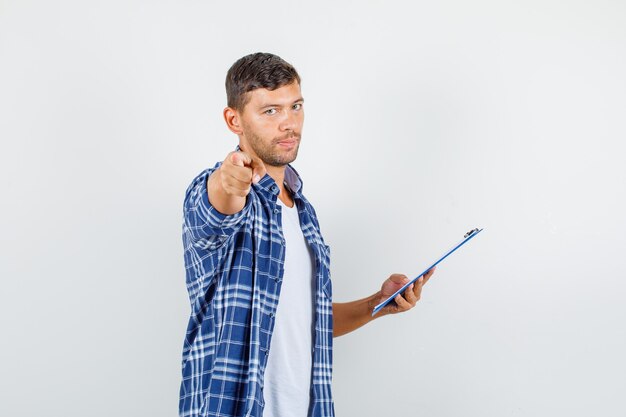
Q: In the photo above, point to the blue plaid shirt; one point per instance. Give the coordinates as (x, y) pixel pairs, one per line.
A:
(234, 266)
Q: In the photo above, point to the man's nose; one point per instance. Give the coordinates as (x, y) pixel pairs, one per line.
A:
(289, 121)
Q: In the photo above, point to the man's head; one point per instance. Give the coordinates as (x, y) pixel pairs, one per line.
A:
(265, 107)
(258, 70)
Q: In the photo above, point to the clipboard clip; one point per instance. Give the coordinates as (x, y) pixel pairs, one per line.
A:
(471, 232)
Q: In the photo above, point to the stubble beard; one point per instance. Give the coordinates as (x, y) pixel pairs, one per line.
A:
(269, 154)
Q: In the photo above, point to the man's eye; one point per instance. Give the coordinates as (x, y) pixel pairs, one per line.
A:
(270, 111)
(297, 106)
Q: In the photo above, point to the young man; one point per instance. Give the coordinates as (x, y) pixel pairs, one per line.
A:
(259, 340)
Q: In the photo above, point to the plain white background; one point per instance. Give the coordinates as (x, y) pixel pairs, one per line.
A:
(423, 120)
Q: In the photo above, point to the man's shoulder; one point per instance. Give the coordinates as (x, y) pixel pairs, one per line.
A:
(202, 177)
(208, 171)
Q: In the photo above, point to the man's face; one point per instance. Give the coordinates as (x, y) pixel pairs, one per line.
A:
(272, 124)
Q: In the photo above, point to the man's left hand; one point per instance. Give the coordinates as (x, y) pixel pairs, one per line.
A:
(405, 301)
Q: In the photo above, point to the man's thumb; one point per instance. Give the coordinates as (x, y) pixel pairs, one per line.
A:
(399, 278)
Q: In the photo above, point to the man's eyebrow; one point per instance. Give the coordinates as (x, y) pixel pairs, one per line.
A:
(263, 106)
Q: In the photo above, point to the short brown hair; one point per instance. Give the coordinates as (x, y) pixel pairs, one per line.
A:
(258, 70)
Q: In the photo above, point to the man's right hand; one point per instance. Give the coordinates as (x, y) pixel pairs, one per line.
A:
(230, 184)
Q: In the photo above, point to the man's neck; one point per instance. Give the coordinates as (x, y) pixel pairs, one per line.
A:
(277, 174)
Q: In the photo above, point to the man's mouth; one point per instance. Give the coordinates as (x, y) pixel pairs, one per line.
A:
(289, 141)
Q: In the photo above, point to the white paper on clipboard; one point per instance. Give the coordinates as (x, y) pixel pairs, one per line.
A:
(468, 236)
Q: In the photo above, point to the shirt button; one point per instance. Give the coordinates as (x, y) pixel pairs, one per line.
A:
(276, 211)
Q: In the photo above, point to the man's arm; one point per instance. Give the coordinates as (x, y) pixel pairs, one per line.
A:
(354, 314)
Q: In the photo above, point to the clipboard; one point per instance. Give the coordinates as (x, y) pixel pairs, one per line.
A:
(466, 238)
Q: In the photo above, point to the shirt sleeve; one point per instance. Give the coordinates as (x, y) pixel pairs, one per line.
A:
(202, 222)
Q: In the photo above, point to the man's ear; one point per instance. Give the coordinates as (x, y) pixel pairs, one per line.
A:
(233, 121)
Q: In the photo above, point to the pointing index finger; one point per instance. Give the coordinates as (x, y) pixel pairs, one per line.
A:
(240, 159)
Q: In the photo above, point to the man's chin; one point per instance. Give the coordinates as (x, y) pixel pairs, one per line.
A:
(281, 160)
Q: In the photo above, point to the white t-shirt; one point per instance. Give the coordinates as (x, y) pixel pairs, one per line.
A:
(288, 372)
